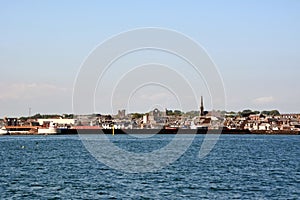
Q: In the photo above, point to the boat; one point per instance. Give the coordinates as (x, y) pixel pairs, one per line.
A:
(21, 130)
(51, 130)
(4, 131)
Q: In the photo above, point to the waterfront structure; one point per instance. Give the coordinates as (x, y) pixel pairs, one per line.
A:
(57, 122)
(284, 122)
(11, 121)
(156, 119)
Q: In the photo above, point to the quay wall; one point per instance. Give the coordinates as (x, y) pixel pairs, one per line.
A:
(162, 131)
(174, 131)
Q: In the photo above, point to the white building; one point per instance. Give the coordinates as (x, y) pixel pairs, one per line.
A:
(264, 126)
(57, 122)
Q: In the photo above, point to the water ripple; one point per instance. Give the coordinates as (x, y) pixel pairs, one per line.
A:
(239, 167)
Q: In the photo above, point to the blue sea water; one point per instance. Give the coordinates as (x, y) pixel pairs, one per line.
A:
(239, 167)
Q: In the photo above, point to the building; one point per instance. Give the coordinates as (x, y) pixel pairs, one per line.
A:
(121, 114)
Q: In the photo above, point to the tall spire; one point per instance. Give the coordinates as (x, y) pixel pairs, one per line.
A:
(201, 107)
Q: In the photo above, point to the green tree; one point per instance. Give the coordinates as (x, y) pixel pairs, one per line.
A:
(177, 112)
(274, 112)
(169, 112)
(271, 112)
(136, 115)
(246, 113)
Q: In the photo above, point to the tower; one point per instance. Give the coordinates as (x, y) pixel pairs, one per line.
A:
(201, 107)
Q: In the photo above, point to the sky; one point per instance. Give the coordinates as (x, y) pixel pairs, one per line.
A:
(254, 44)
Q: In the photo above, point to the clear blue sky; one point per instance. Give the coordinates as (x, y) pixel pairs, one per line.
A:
(255, 44)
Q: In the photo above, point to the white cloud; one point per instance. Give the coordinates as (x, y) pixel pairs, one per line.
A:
(28, 91)
(263, 100)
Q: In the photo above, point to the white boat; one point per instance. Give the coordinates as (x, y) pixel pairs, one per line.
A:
(3, 131)
(52, 129)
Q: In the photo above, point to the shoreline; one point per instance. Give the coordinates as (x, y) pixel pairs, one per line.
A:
(163, 131)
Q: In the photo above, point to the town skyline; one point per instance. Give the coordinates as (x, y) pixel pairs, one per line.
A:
(167, 121)
(197, 112)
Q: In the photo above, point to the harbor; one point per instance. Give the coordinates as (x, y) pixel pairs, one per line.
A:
(158, 122)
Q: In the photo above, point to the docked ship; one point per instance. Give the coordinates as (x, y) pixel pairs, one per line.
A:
(49, 130)
(21, 130)
(14, 127)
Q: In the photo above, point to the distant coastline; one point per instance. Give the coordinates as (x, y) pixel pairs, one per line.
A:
(157, 121)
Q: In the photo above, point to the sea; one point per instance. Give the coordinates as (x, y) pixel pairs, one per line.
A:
(237, 167)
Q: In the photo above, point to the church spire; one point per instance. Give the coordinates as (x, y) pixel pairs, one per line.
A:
(201, 107)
